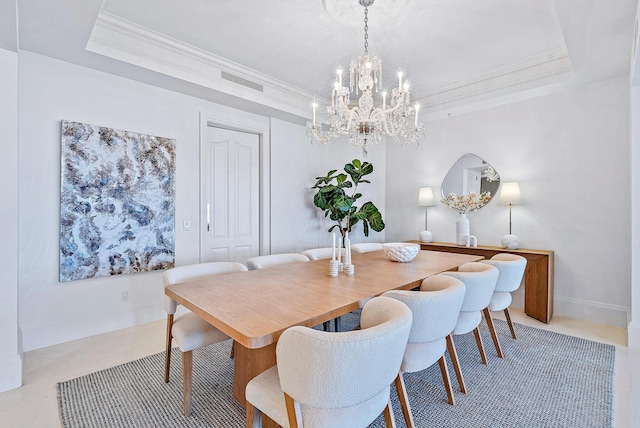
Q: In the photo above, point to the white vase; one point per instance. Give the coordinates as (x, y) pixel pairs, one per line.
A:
(462, 230)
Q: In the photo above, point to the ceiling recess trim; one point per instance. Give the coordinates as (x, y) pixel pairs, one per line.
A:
(538, 70)
(129, 42)
(126, 41)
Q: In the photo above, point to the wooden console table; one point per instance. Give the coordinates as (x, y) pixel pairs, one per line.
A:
(538, 276)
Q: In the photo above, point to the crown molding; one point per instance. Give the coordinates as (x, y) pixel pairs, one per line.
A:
(126, 41)
(538, 70)
(129, 42)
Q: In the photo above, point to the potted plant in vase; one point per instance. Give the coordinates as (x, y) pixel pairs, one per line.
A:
(337, 194)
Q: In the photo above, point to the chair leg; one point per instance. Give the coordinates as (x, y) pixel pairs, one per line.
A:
(445, 379)
(492, 330)
(187, 372)
(389, 419)
(337, 324)
(476, 333)
(233, 349)
(456, 365)
(167, 357)
(404, 401)
(326, 326)
(292, 414)
(508, 317)
(254, 416)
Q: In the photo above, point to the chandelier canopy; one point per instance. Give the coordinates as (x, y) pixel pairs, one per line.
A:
(366, 122)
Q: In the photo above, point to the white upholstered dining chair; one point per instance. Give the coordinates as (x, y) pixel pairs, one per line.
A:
(480, 281)
(511, 268)
(366, 247)
(261, 262)
(319, 253)
(435, 314)
(337, 380)
(189, 330)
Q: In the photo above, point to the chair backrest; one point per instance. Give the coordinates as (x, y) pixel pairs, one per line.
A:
(319, 253)
(262, 262)
(435, 307)
(365, 247)
(326, 373)
(480, 280)
(511, 268)
(185, 273)
(435, 316)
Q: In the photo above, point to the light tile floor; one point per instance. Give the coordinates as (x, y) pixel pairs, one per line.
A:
(34, 405)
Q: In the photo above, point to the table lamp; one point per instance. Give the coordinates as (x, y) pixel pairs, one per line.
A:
(425, 199)
(510, 195)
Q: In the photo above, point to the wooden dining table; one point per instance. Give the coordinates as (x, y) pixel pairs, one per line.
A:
(255, 307)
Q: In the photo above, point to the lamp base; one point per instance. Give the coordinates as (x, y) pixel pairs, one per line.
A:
(510, 242)
(426, 236)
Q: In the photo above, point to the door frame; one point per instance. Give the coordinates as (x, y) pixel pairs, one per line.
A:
(252, 124)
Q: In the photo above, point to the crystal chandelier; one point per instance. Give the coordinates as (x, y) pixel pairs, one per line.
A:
(365, 122)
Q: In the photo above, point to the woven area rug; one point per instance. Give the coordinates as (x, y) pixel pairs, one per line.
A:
(545, 380)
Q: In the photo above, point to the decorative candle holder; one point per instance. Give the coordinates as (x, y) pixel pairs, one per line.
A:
(349, 269)
(333, 268)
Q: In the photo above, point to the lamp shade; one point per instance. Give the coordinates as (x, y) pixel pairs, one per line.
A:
(425, 197)
(510, 193)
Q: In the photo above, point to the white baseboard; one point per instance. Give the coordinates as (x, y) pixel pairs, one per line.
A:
(601, 313)
(633, 335)
(40, 336)
(585, 310)
(10, 372)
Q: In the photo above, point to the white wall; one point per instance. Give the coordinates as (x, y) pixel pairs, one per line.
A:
(296, 223)
(51, 90)
(633, 330)
(570, 152)
(10, 352)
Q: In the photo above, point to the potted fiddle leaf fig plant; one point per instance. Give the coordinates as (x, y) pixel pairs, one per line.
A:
(337, 195)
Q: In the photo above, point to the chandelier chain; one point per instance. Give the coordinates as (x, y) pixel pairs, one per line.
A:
(366, 30)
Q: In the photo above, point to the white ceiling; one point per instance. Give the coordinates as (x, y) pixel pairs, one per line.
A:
(455, 52)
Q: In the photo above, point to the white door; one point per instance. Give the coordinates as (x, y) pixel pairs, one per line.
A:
(471, 181)
(230, 196)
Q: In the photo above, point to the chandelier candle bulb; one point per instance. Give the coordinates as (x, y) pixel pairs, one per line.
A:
(417, 107)
(384, 100)
(313, 106)
(339, 71)
(400, 81)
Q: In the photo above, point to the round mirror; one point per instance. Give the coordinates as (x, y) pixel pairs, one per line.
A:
(471, 174)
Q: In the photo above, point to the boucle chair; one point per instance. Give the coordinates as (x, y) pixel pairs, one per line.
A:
(319, 253)
(189, 330)
(334, 379)
(365, 247)
(261, 262)
(511, 268)
(435, 314)
(480, 281)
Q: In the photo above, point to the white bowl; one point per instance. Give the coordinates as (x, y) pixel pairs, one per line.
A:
(401, 251)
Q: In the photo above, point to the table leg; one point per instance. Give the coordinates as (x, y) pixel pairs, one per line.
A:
(248, 363)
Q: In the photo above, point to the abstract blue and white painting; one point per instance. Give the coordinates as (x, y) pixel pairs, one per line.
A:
(117, 206)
